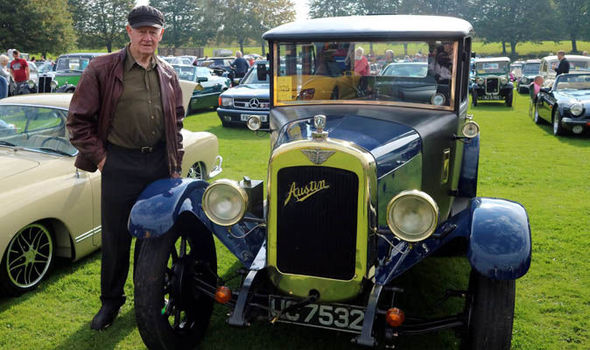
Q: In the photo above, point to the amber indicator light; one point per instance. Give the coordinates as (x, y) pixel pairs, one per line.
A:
(222, 295)
(395, 317)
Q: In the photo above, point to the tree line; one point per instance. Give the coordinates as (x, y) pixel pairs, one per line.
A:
(57, 26)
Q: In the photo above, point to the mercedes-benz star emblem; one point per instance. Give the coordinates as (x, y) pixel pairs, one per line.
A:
(254, 103)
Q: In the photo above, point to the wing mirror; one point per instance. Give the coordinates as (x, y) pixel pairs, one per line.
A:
(261, 71)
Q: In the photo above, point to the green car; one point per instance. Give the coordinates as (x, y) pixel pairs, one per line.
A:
(209, 86)
(66, 73)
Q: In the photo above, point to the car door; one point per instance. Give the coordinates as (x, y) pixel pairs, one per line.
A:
(545, 103)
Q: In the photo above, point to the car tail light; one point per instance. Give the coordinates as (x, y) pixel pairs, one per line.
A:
(222, 295)
(395, 317)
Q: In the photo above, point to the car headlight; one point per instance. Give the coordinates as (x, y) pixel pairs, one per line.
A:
(470, 129)
(53, 84)
(524, 80)
(479, 81)
(504, 80)
(412, 216)
(576, 109)
(254, 123)
(438, 99)
(31, 84)
(227, 101)
(225, 202)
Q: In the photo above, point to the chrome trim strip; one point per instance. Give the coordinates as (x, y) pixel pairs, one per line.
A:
(88, 234)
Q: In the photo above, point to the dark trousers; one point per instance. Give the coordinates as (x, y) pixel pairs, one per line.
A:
(125, 175)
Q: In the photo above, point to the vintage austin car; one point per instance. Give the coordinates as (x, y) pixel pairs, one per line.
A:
(50, 209)
(565, 103)
(66, 73)
(492, 81)
(250, 97)
(359, 190)
(530, 70)
(209, 86)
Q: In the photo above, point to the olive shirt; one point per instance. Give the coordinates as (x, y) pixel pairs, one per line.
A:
(138, 119)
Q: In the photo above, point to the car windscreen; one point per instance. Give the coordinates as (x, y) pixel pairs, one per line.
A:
(416, 72)
(531, 68)
(34, 127)
(72, 63)
(185, 72)
(572, 82)
(203, 72)
(252, 77)
(500, 67)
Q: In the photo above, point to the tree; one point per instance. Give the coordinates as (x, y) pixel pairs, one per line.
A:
(181, 19)
(378, 7)
(332, 8)
(32, 25)
(269, 14)
(101, 22)
(239, 20)
(573, 18)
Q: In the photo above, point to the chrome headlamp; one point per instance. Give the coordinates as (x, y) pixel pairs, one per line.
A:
(479, 81)
(576, 109)
(254, 123)
(504, 80)
(225, 202)
(31, 84)
(227, 101)
(470, 129)
(412, 216)
(524, 80)
(438, 99)
(53, 84)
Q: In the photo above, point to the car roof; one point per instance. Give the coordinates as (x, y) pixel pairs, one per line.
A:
(569, 57)
(492, 59)
(49, 100)
(372, 27)
(534, 60)
(93, 54)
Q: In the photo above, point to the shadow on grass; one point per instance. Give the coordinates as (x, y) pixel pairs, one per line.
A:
(61, 268)
(568, 138)
(86, 338)
(424, 285)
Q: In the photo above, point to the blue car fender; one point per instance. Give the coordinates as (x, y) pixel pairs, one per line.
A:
(500, 239)
(160, 205)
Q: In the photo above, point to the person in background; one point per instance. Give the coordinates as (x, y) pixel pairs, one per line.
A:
(19, 68)
(125, 119)
(534, 90)
(389, 57)
(240, 65)
(4, 76)
(564, 64)
(361, 64)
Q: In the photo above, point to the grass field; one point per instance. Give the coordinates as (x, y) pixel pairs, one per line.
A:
(519, 161)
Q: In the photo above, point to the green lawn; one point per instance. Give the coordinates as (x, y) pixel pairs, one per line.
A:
(519, 161)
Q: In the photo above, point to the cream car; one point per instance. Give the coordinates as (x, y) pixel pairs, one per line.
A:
(51, 209)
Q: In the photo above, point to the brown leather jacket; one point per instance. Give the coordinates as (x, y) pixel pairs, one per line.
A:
(93, 105)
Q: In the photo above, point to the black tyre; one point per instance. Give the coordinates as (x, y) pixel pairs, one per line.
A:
(509, 99)
(536, 118)
(27, 260)
(556, 121)
(474, 99)
(491, 313)
(171, 313)
(197, 171)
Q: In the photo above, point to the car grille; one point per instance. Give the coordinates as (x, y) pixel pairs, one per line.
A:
(492, 85)
(45, 84)
(251, 103)
(316, 228)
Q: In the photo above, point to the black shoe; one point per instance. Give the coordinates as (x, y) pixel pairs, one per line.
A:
(105, 317)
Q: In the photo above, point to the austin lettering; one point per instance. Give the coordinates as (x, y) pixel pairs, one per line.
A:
(302, 193)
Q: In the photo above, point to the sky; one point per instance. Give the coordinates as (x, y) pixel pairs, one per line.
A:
(301, 8)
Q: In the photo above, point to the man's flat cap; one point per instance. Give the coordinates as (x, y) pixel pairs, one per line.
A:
(145, 16)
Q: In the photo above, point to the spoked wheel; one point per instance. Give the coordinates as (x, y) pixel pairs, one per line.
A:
(171, 312)
(197, 171)
(557, 128)
(27, 260)
(491, 313)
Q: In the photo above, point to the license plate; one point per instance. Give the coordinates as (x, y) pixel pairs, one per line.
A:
(245, 117)
(342, 317)
(489, 97)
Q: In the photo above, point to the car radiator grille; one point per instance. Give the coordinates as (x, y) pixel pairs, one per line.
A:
(252, 103)
(316, 230)
(45, 84)
(492, 85)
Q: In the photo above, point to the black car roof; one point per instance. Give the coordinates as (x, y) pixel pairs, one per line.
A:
(82, 54)
(372, 27)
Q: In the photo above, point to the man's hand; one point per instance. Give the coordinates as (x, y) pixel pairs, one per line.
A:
(175, 175)
(101, 164)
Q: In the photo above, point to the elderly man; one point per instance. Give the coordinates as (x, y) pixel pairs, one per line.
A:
(564, 64)
(125, 119)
